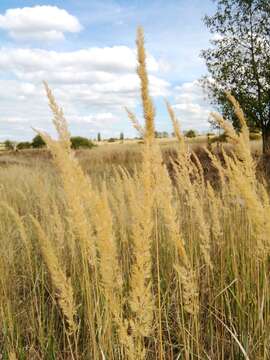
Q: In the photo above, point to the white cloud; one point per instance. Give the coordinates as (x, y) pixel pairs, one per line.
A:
(191, 106)
(93, 86)
(44, 23)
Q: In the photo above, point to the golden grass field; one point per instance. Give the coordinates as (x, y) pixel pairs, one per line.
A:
(132, 251)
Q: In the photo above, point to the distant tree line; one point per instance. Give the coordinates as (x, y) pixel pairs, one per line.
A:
(77, 142)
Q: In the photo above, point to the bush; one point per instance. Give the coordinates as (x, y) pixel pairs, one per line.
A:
(218, 138)
(9, 145)
(190, 134)
(79, 142)
(38, 142)
(110, 140)
(24, 145)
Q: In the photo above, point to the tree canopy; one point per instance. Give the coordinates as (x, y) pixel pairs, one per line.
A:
(239, 61)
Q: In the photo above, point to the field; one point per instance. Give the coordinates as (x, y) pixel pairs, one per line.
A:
(135, 251)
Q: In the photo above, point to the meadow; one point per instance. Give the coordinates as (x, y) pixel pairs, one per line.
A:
(135, 252)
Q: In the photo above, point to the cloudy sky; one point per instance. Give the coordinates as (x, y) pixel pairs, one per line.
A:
(85, 50)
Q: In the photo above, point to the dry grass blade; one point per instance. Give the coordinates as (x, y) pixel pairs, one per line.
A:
(233, 336)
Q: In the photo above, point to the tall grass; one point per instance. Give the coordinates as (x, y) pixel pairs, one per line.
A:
(141, 264)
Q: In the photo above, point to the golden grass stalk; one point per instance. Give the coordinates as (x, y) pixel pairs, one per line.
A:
(239, 141)
(135, 122)
(59, 120)
(148, 107)
(182, 264)
(241, 176)
(184, 169)
(141, 298)
(19, 224)
(176, 128)
(240, 115)
(106, 242)
(61, 283)
(215, 207)
(77, 186)
(111, 277)
(78, 191)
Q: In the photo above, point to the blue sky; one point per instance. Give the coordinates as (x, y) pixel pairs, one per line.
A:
(86, 51)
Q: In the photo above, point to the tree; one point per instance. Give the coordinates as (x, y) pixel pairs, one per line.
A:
(190, 134)
(161, 134)
(9, 145)
(98, 137)
(122, 136)
(78, 142)
(111, 140)
(38, 142)
(239, 61)
(165, 134)
(24, 145)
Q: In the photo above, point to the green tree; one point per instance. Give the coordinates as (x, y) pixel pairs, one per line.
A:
(38, 142)
(24, 145)
(78, 142)
(98, 137)
(190, 134)
(122, 136)
(239, 61)
(165, 134)
(111, 140)
(9, 145)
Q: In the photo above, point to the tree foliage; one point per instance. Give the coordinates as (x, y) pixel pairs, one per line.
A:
(9, 145)
(239, 60)
(38, 142)
(79, 142)
(190, 133)
(24, 145)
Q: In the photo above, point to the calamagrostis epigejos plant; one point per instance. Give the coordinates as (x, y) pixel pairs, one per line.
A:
(165, 263)
(184, 169)
(77, 187)
(61, 283)
(241, 175)
(141, 297)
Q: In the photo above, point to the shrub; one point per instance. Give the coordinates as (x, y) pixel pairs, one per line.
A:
(9, 145)
(110, 140)
(24, 145)
(38, 142)
(219, 138)
(79, 142)
(190, 134)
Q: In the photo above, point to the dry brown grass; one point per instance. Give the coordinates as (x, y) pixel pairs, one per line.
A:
(119, 255)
